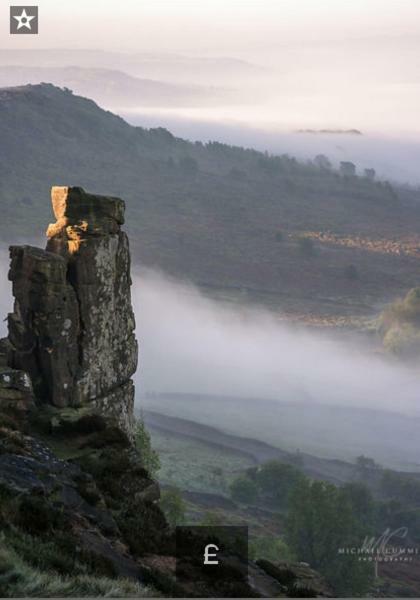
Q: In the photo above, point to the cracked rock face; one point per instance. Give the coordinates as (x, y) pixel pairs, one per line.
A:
(72, 329)
(44, 327)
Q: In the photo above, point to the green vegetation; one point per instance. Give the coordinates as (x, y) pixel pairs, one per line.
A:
(271, 548)
(244, 489)
(320, 522)
(292, 518)
(173, 506)
(276, 480)
(396, 486)
(212, 470)
(188, 165)
(18, 578)
(399, 326)
(366, 467)
(149, 456)
(208, 201)
(270, 484)
(211, 519)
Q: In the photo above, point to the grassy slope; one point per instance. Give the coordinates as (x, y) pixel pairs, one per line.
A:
(216, 224)
(20, 579)
(211, 470)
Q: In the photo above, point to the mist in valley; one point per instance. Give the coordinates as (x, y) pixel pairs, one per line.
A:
(194, 344)
(240, 368)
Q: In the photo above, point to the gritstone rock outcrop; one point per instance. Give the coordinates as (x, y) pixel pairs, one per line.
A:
(72, 329)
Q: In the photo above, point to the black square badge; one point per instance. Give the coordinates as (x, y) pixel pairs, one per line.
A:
(214, 557)
(24, 20)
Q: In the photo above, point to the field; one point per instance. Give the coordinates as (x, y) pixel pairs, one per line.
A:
(196, 466)
(324, 431)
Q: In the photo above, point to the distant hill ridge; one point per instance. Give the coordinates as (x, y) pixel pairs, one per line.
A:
(220, 215)
(115, 87)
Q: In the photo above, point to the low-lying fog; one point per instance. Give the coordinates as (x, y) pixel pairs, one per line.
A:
(192, 344)
(394, 157)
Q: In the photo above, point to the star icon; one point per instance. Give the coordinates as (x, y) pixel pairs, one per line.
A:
(24, 20)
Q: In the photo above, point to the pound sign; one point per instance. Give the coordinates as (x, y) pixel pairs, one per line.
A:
(208, 556)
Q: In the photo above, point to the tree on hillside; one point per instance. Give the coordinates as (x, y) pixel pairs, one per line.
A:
(400, 487)
(361, 502)
(320, 525)
(399, 326)
(322, 162)
(173, 505)
(243, 489)
(276, 480)
(366, 467)
(188, 165)
(347, 168)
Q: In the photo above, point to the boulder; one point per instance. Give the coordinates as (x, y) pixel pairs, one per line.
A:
(16, 394)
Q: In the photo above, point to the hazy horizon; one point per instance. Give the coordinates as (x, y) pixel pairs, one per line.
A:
(322, 65)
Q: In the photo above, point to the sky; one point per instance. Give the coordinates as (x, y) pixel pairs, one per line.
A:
(215, 26)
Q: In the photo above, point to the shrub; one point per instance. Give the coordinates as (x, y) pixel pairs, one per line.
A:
(188, 165)
(244, 490)
(144, 526)
(268, 547)
(320, 522)
(149, 456)
(399, 326)
(404, 311)
(276, 480)
(211, 519)
(173, 505)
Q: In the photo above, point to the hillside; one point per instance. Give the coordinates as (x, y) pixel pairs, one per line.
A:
(114, 87)
(228, 218)
(205, 70)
